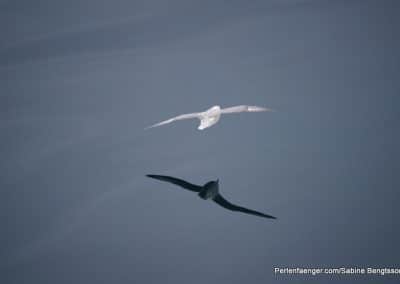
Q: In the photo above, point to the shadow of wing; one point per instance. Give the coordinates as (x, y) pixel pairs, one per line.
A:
(226, 204)
(177, 181)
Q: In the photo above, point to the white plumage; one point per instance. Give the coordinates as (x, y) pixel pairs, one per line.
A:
(212, 115)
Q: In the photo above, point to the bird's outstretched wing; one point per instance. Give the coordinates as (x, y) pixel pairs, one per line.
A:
(226, 204)
(179, 117)
(244, 108)
(177, 181)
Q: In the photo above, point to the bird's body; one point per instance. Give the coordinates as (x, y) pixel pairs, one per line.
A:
(212, 115)
(208, 191)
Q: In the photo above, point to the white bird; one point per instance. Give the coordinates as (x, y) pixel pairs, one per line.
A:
(212, 115)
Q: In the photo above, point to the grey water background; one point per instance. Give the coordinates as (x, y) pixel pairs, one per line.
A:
(79, 81)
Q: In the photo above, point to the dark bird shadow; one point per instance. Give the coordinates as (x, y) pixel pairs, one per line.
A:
(209, 191)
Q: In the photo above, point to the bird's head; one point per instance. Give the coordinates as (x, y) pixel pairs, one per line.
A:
(214, 108)
(212, 184)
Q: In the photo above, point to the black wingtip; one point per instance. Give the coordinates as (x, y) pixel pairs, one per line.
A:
(268, 216)
(153, 176)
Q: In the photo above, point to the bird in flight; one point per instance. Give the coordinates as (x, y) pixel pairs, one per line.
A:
(212, 115)
(210, 190)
